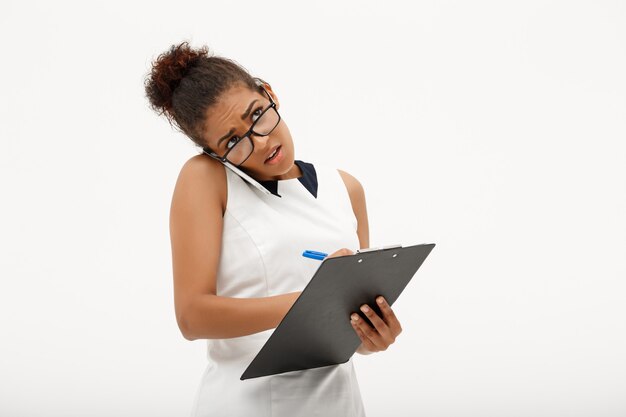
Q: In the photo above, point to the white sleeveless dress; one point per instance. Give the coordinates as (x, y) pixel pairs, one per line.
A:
(263, 240)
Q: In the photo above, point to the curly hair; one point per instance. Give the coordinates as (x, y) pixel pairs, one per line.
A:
(184, 82)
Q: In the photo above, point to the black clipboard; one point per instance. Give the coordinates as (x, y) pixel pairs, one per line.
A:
(316, 331)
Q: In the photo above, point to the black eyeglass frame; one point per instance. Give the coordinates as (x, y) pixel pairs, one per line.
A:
(248, 133)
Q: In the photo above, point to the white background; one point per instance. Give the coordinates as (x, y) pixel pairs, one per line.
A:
(494, 129)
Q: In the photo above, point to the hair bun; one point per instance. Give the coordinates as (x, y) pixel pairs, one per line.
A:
(167, 72)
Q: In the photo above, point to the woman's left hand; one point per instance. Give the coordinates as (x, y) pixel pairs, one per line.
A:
(384, 332)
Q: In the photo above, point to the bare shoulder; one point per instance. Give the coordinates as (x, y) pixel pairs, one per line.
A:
(196, 223)
(203, 165)
(354, 187)
(359, 207)
(201, 180)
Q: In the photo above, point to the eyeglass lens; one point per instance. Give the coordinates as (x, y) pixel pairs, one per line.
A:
(241, 151)
(265, 124)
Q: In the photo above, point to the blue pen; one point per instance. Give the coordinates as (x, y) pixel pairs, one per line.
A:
(314, 255)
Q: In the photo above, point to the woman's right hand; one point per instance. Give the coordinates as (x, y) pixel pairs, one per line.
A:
(341, 252)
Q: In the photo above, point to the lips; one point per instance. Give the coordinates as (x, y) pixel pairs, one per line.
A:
(272, 153)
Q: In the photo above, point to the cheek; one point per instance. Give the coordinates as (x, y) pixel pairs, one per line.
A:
(284, 134)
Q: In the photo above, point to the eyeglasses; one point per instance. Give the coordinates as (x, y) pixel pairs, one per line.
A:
(240, 148)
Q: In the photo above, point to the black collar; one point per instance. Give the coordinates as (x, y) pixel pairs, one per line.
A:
(308, 179)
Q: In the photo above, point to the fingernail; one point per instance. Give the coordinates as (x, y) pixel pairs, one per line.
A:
(380, 300)
(355, 317)
(365, 309)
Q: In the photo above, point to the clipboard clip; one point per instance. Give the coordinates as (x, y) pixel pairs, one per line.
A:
(378, 248)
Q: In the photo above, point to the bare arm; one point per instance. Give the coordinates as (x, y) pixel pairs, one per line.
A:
(387, 327)
(196, 220)
(357, 199)
(214, 317)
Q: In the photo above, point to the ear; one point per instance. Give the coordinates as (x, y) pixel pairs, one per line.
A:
(269, 90)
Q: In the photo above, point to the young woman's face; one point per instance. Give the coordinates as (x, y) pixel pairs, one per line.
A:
(232, 115)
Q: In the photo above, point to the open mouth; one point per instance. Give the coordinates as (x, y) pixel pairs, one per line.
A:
(274, 154)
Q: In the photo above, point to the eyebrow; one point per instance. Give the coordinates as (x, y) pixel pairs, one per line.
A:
(244, 116)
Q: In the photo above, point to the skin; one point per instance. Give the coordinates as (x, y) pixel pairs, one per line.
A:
(196, 222)
(226, 115)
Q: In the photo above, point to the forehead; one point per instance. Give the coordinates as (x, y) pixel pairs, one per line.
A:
(226, 113)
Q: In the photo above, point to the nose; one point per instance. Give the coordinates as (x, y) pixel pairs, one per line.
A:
(260, 142)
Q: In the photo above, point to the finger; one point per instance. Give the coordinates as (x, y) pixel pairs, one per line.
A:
(378, 323)
(370, 332)
(365, 340)
(388, 315)
(341, 252)
(367, 343)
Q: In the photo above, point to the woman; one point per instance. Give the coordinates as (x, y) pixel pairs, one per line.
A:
(242, 213)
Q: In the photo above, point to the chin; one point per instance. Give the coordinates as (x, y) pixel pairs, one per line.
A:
(288, 163)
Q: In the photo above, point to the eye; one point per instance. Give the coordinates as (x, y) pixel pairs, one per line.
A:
(231, 142)
(255, 114)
